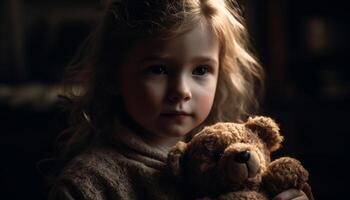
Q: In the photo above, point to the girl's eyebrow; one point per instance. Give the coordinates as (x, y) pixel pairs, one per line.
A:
(154, 57)
(205, 59)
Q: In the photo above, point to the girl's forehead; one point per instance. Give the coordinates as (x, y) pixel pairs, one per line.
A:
(199, 41)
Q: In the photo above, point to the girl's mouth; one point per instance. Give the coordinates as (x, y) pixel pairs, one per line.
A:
(176, 115)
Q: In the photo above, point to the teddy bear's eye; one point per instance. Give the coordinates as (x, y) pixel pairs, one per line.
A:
(217, 156)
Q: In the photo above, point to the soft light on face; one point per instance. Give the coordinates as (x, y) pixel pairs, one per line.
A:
(168, 87)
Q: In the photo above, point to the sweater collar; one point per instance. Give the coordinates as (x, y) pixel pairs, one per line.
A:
(133, 146)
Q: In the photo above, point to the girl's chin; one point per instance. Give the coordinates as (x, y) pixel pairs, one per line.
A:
(175, 131)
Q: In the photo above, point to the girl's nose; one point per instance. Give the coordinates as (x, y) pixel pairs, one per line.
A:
(179, 90)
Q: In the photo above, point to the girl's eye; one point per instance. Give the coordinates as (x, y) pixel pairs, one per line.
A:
(156, 69)
(201, 70)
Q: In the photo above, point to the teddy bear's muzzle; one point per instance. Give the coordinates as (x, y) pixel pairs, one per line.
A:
(241, 163)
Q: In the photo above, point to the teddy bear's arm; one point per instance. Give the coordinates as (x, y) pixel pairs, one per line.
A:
(284, 173)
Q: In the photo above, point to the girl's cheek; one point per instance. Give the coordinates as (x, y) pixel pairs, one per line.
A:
(205, 98)
(205, 106)
(153, 91)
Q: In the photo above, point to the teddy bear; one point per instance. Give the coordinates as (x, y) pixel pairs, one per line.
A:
(229, 160)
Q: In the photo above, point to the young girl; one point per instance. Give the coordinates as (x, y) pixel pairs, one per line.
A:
(153, 73)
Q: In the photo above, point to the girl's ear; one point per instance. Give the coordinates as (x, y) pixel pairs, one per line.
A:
(175, 158)
(267, 130)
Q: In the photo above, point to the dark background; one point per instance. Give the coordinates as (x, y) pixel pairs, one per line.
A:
(303, 46)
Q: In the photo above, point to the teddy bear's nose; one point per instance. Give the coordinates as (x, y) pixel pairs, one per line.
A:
(242, 157)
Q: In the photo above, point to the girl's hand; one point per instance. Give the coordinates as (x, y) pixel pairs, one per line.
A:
(294, 194)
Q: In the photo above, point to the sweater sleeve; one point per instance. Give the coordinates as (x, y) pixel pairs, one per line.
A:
(104, 174)
(78, 188)
(65, 192)
(90, 186)
(92, 177)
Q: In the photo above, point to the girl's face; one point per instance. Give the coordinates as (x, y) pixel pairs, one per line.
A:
(168, 86)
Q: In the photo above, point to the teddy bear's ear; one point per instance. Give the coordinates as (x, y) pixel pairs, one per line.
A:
(175, 158)
(267, 129)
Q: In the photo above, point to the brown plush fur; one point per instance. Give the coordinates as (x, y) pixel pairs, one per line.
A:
(232, 161)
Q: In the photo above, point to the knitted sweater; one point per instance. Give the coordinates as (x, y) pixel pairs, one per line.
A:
(127, 169)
